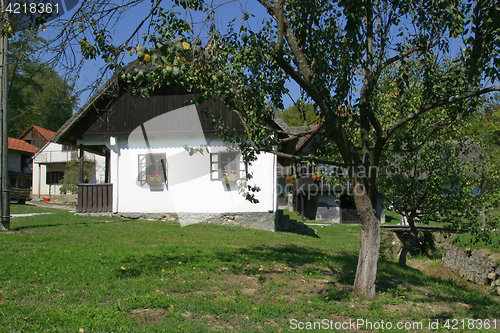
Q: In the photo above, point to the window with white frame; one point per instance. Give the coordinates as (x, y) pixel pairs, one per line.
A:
(227, 166)
(153, 168)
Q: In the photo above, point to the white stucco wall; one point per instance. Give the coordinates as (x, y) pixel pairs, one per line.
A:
(189, 188)
(52, 158)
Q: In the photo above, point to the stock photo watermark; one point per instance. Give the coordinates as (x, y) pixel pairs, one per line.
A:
(370, 325)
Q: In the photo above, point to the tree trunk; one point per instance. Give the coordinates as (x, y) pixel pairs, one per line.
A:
(411, 241)
(407, 247)
(366, 274)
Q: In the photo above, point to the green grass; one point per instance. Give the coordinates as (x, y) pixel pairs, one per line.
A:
(391, 217)
(492, 242)
(65, 273)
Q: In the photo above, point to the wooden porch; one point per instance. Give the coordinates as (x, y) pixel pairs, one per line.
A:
(95, 198)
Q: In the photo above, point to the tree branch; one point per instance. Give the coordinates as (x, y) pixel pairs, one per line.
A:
(302, 64)
(446, 101)
(404, 54)
(302, 157)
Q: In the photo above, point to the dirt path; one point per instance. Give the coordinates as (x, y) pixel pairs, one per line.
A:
(69, 207)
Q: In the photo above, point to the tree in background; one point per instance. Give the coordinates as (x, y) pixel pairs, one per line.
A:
(436, 181)
(431, 173)
(336, 52)
(69, 183)
(300, 114)
(37, 93)
(485, 128)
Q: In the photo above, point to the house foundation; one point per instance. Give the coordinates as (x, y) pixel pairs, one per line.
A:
(253, 220)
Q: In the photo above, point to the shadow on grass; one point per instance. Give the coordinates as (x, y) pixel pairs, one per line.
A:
(391, 219)
(435, 289)
(339, 268)
(308, 231)
(248, 261)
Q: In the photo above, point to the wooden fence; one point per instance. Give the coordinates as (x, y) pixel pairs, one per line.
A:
(95, 198)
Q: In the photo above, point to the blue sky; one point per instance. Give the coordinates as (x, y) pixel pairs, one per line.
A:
(92, 69)
(233, 8)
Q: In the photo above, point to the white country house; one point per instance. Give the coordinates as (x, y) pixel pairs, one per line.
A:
(164, 158)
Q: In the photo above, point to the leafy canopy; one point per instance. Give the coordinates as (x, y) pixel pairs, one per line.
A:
(37, 93)
(301, 114)
(337, 53)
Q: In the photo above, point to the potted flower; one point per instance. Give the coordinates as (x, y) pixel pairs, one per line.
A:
(230, 178)
(154, 179)
(318, 176)
(291, 179)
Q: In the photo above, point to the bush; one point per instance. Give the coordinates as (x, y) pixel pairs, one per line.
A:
(71, 176)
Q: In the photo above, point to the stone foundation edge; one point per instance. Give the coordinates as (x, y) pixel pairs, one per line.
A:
(253, 220)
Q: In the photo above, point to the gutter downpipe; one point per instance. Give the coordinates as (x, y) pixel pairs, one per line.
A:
(39, 179)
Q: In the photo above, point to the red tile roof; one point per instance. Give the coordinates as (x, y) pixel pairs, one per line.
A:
(16, 144)
(302, 142)
(47, 134)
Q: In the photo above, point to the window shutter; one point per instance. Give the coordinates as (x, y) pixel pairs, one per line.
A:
(142, 168)
(243, 168)
(215, 170)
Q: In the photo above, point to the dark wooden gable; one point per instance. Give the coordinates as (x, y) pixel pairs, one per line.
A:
(34, 138)
(120, 113)
(37, 136)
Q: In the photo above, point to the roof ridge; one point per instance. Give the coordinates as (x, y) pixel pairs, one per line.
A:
(46, 133)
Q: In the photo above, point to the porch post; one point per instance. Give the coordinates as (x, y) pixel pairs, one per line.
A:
(81, 162)
(106, 167)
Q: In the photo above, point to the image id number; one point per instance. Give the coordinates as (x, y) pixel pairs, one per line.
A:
(470, 324)
(32, 8)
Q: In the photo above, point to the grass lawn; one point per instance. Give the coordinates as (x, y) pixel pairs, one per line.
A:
(66, 273)
(391, 217)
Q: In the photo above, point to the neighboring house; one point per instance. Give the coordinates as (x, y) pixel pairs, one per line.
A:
(164, 159)
(20, 167)
(317, 199)
(49, 162)
(286, 167)
(37, 136)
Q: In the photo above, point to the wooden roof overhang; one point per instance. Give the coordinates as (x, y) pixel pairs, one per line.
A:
(114, 111)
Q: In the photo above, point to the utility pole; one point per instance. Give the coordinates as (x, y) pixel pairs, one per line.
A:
(4, 132)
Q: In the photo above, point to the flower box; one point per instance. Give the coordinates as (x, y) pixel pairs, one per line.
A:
(230, 178)
(153, 183)
(230, 182)
(154, 179)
